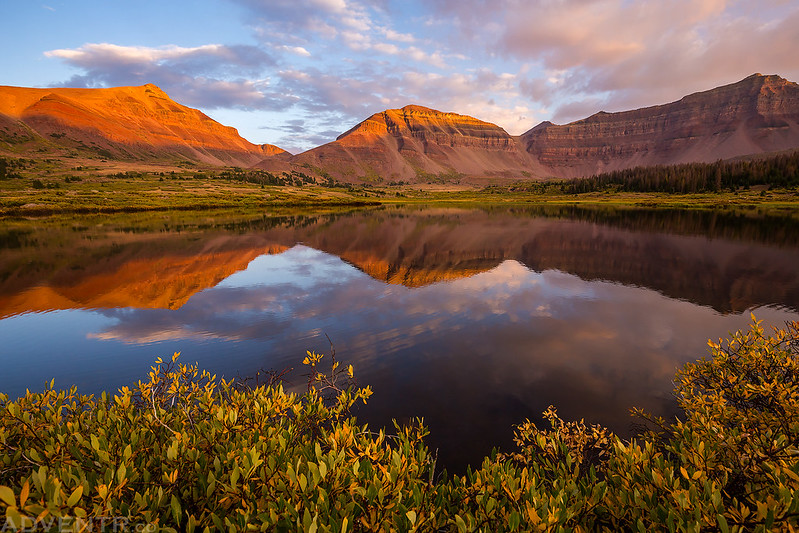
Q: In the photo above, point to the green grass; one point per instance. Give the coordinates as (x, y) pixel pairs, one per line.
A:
(97, 194)
(48, 187)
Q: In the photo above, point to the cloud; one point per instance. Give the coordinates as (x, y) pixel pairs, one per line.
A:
(209, 76)
(624, 54)
(331, 63)
(298, 50)
(393, 35)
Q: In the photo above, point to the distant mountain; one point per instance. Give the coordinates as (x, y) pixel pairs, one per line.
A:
(756, 115)
(139, 123)
(419, 144)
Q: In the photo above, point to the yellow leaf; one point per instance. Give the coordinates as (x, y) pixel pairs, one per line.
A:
(7, 495)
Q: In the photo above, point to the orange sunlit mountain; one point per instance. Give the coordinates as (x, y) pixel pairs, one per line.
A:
(415, 143)
(759, 114)
(139, 123)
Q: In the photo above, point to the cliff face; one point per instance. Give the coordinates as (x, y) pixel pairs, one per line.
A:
(758, 114)
(418, 143)
(125, 122)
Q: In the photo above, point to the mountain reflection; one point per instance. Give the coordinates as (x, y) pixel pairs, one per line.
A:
(731, 273)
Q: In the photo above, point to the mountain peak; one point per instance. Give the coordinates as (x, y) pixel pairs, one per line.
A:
(415, 108)
(419, 119)
(155, 90)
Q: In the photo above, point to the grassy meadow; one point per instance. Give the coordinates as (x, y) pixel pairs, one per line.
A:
(47, 187)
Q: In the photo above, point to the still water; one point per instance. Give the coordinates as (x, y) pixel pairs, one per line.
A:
(472, 319)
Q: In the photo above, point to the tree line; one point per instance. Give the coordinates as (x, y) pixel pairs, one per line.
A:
(777, 171)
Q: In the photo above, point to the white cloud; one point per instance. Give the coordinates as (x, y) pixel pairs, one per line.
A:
(387, 48)
(92, 52)
(298, 50)
(335, 6)
(393, 35)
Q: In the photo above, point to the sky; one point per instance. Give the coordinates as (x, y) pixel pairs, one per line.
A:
(298, 73)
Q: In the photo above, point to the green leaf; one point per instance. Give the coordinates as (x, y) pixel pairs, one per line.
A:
(75, 496)
(411, 515)
(723, 526)
(121, 472)
(175, 504)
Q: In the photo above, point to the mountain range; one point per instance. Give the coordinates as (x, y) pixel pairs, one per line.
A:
(759, 114)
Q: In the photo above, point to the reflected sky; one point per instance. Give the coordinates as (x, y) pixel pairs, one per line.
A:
(472, 355)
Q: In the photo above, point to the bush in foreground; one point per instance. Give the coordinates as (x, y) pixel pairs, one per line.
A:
(184, 450)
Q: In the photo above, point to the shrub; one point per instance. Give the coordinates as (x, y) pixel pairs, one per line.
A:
(184, 450)
(188, 451)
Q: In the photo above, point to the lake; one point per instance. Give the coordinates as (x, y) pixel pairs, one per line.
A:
(474, 319)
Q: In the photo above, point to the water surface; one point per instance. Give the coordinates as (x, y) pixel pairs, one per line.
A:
(472, 319)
